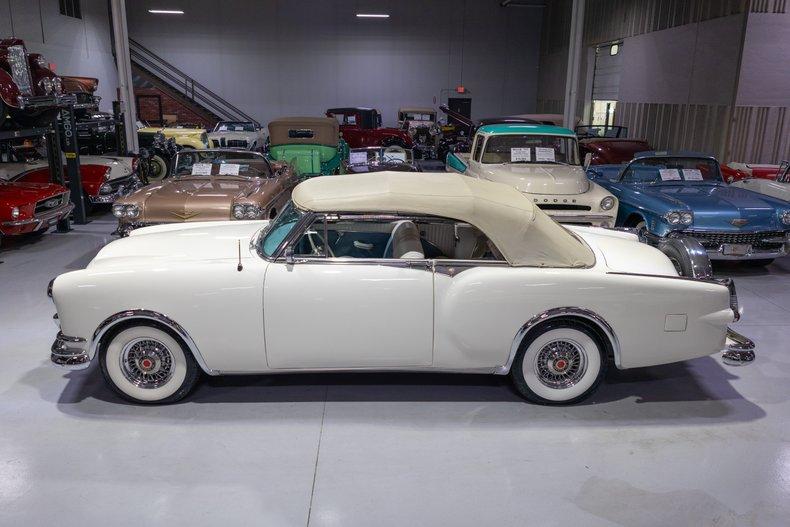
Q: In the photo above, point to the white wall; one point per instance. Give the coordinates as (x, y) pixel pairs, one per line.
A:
(299, 57)
(76, 47)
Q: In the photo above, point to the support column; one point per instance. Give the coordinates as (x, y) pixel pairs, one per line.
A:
(574, 62)
(124, 65)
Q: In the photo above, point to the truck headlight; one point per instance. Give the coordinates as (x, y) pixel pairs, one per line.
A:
(608, 203)
(679, 217)
(786, 217)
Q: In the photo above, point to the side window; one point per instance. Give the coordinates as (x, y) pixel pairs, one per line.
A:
(478, 151)
(399, 238)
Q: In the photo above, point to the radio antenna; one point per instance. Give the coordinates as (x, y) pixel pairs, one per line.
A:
(239, 267)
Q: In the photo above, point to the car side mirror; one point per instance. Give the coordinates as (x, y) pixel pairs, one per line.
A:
(289, 255)
(455, 163)
(587, 160)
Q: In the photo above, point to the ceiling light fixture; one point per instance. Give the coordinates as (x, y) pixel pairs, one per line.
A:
(166, 11)
(372, 15)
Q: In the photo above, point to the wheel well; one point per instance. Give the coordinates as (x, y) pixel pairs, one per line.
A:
(110, 334)
(633, 220)
(600, 334)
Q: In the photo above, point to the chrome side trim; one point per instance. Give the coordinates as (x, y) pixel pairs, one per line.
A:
(148, 315)
(739, 350)
(555, 313)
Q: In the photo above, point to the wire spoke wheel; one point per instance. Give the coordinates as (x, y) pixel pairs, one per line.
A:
(147, 363)
(561, 363)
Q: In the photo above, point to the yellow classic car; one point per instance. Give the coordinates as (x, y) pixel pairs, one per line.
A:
(184, 136)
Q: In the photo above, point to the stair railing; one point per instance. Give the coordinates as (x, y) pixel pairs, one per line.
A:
(184, 84)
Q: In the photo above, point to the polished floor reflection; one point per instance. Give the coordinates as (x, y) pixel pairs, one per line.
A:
(696, 443)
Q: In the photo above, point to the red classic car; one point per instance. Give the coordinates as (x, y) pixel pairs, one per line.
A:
(738, 171)
(29, 91)
(608, 144)
(31, 207)
(361, 127)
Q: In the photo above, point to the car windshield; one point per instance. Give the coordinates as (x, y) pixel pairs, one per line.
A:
(672, 170)
(531, 149)
(229, 126)
(279, 229)
(221, 163)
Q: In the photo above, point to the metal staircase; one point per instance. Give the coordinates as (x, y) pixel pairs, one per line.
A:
(183, 85)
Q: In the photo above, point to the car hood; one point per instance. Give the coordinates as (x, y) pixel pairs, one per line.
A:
(162, 244)
(717, 205)
(622, 252)
(195, 198)
(18, 194)
(539, 179)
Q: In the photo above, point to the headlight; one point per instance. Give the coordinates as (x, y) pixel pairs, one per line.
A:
(105, 189)
(251, 212)
(677, 217)
(46, 85)
(15, 213)
(238, 212)
(786, 217)
(125, 211)
(57, 85)
(42, 62)
(608, 203)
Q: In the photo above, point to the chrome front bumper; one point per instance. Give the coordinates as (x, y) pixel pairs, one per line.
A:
(69, 352)
(739, 350)
(717, 254)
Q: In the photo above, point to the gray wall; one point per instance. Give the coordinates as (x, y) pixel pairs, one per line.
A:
(298, 57)
(76, 47)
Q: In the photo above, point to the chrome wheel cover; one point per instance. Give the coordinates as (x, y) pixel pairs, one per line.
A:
(561, 363)
(147, 363)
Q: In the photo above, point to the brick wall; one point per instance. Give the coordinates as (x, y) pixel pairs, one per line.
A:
(148, 108)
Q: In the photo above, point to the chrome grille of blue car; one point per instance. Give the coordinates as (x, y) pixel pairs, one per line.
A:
(758, 240)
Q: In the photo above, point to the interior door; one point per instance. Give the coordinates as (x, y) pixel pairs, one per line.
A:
(341, 313)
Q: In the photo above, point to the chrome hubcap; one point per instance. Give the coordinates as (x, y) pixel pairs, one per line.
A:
(561, 363)
(147, 363)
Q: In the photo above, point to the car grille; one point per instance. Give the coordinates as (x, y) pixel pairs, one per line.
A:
(561, 206)
(215, 143)
(758, 240)
(48, 204)
(237, 143)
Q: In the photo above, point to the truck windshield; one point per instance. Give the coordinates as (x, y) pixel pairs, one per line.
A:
(531, 149)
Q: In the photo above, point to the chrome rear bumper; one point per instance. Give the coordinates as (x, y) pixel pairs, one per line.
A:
(739, 349)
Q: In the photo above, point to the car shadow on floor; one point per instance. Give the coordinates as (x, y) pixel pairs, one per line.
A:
(698, 389)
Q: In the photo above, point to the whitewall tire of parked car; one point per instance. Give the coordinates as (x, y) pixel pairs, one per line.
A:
(559, 363)
(145, 364)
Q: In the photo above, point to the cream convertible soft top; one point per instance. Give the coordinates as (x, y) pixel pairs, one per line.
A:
(522, 232)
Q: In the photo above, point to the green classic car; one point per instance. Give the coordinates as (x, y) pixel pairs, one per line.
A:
(312, 145)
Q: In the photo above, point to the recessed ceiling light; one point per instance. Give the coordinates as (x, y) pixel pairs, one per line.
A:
(372, 15)
(166, 11)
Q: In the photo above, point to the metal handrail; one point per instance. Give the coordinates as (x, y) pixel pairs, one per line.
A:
(183, 83)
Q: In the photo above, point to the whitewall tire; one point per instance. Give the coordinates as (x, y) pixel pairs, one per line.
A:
(145, 364)
(559, 363)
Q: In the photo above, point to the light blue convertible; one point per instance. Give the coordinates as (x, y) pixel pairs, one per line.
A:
(682, 195)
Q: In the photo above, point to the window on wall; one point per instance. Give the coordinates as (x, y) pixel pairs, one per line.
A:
(71, 8)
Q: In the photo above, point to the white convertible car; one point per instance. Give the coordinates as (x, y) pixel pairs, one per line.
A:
(387, 271)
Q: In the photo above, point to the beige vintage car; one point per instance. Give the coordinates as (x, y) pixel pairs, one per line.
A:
(210, 185)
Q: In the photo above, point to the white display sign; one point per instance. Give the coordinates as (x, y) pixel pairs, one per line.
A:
(692, 174)
(201, 169)
(358, 158)
(229, 169)
(669, 174)
(520, 154)
(238, 128)
(544, 154)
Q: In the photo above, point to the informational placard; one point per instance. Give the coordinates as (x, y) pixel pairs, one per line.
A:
(692, 174)
(520, 154)
(544, 154)
(358, 158)
(229, 169)
(669, 174)
(238, 128)
(201, 169)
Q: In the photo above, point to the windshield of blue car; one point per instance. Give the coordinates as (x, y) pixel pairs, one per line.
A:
(221, 163)
(672, 170)
(531, 149)
(279, 229)
(229, 126)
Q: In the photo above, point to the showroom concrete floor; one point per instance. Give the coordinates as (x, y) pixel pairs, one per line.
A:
(686, 444)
